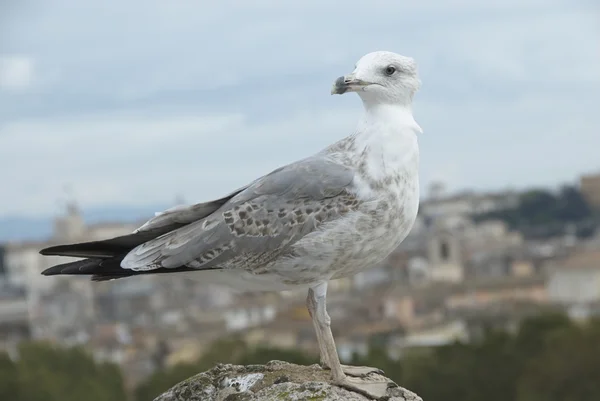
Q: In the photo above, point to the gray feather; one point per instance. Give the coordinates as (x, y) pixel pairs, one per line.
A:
(258, 224)
(186, 214)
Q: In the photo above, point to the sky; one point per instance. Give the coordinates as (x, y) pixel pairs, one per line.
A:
(139, 102)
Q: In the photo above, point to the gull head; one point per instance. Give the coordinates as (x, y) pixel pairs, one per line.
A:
(381, 78)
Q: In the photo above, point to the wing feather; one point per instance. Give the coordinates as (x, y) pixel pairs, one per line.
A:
(258, 224)
(185, 214)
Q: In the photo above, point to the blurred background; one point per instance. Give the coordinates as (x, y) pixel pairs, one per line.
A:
(111, 111)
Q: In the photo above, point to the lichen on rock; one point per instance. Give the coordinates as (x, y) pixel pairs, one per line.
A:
(275, 381)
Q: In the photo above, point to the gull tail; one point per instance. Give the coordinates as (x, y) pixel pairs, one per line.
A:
(104, 249)
(100, 269)
(102, 258)
(104, 269)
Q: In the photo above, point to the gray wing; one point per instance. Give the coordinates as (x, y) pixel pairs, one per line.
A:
(258, 224)
(185, 214)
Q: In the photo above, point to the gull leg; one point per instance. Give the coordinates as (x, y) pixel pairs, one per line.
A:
(311, 305)
(357, 371)
(372, 389)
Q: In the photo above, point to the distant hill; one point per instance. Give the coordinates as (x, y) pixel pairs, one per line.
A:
(541, 213)
(18, 228)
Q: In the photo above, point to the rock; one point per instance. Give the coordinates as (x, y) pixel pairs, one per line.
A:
(275, 381)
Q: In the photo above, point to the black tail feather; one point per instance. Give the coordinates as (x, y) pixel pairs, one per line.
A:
(104, 276)
(105, 269)
(105, 249)
(103, 258)
(87, 266)
(77, 267)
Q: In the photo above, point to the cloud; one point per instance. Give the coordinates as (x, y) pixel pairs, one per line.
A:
(140, 158)
(16, 72)
(134, 102)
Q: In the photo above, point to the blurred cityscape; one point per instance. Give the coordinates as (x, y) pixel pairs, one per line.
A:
(472, 261)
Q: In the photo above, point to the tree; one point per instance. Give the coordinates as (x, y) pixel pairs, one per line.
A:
(508, 367)
(377, 356)
(531, 337)
(537, 206)
(568, 369)
(469, 372)
(48, 373)
(541, 213)
(571, 205)
(9, 379)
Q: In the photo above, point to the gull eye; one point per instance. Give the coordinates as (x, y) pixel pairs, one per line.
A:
(390, 70)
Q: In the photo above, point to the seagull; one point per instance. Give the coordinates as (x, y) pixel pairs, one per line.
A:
(327, 216)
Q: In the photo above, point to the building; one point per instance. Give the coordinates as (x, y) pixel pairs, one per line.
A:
(576, 279)
(483, 294)
(56, 307)
(590, 188)
(466, 204)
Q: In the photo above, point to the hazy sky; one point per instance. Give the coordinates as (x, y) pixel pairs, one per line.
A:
(135, 102)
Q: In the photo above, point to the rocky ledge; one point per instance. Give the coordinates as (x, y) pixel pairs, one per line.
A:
(275, 381)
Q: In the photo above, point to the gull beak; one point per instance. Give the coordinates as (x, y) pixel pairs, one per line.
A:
(348, 83)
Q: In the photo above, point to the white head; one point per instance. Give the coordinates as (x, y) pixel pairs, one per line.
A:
(381, 78)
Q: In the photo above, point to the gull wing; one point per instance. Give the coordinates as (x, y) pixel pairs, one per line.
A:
(258, 224)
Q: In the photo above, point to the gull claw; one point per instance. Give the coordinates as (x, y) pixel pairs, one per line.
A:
(373, 389)
(360, 371)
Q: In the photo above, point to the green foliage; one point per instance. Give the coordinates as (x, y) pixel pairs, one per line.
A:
(549, 359)
(470, 372)
(377, 357)
(47, 373)
(567, 369)
(541, 213)
(9, 379)
(533, 333)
